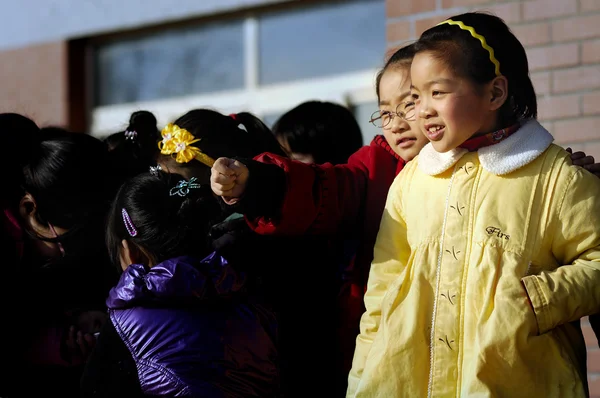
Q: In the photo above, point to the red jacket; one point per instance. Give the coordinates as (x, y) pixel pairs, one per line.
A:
(346, 200)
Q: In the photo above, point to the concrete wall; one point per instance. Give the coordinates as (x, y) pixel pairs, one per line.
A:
(35, 21)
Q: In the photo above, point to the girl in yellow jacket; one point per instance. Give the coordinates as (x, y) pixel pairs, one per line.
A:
(489, 248)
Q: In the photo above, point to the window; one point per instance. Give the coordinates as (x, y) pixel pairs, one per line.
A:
(265, 64)
(321, 41)
(171, 64)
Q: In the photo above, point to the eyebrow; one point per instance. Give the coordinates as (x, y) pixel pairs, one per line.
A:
(403, 95)
(432, 82)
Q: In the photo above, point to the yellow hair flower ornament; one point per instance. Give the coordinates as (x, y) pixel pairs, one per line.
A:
(177, 141)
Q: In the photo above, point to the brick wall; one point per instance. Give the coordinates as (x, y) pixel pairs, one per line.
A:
(34, 83)
(562, 38)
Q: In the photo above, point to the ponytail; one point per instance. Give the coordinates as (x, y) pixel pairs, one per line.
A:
(260, 134)
(134, 150)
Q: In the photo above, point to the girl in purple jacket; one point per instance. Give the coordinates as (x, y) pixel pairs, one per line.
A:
(182, 321)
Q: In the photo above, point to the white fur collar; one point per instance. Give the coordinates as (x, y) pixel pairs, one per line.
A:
(518, 150)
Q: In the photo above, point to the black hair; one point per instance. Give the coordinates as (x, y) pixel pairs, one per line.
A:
(135, 149)
(239, 135)
(222, 136)
(467, 58)
(168, 225)
(21, 134)
(327, 131)
(401, 58)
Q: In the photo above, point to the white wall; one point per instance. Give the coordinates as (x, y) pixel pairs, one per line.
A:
(27, 22)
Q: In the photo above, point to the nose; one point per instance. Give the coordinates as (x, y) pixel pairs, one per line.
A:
(424, 110)
(398, 125)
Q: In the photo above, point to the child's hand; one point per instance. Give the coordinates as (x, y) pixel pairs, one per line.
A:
(228, 179)
(587, 162)
(77, 346)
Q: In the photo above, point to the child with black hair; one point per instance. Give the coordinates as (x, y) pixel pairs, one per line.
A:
(483, 295)
(283, 264)
(134, 150)
(182, 321)
(343, 200)
(191, 143)
(319, 132)
(52, 223)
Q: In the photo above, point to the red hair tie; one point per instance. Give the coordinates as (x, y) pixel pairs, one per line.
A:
(233, 116)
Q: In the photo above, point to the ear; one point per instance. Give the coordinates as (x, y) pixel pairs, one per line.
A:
(126, 255)
(28, 213)
(498, 92)
(131, 254)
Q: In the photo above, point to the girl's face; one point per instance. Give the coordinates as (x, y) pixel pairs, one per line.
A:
(301, 157)
(449, 108)
(403, 136)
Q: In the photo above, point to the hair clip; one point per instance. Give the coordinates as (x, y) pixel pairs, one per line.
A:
(155, 170)
(130, 135)
(183, 187)
(128, 223)
(177, 142)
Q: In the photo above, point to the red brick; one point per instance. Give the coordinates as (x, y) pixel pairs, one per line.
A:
(541, 82)
(463, 3)
(589, 5)
(543, 9)
(548, 126)
(532, 34)
(594, 383)
(590, 52)
(397, 31)
(590, 338)
(580, 78)
(423, 24)
(591, 103)
(557, 107)
(398, 8)
(548, 57)
(34, 82)
(577, 130)
(509, 12)
(583, 27)
(593, 361)
(593, 149)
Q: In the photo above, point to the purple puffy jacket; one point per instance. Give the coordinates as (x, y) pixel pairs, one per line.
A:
(192, 331)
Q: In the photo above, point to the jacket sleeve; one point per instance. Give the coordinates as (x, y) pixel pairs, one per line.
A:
(391, 255)
(571, 291)
(318, 199)
(110, 370)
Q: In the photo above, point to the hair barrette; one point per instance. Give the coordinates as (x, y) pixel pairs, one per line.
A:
(155, 170)
(128, 223)
(178, 143)
(183, 187)
(130, 135)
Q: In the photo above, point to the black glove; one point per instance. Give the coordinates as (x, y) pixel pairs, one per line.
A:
(230, 238)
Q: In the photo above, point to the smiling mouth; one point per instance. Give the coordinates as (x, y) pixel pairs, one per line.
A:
(434, 132)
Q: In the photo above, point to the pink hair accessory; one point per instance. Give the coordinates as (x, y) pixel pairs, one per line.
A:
(128, 223)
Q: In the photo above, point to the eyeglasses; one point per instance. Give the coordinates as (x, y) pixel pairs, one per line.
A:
(60, 246)
(404, 110)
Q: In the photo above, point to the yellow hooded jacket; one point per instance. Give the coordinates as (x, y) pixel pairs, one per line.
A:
(465, 239)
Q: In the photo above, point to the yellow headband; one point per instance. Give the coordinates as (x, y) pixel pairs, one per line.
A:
(179, 141)
(479, 37)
